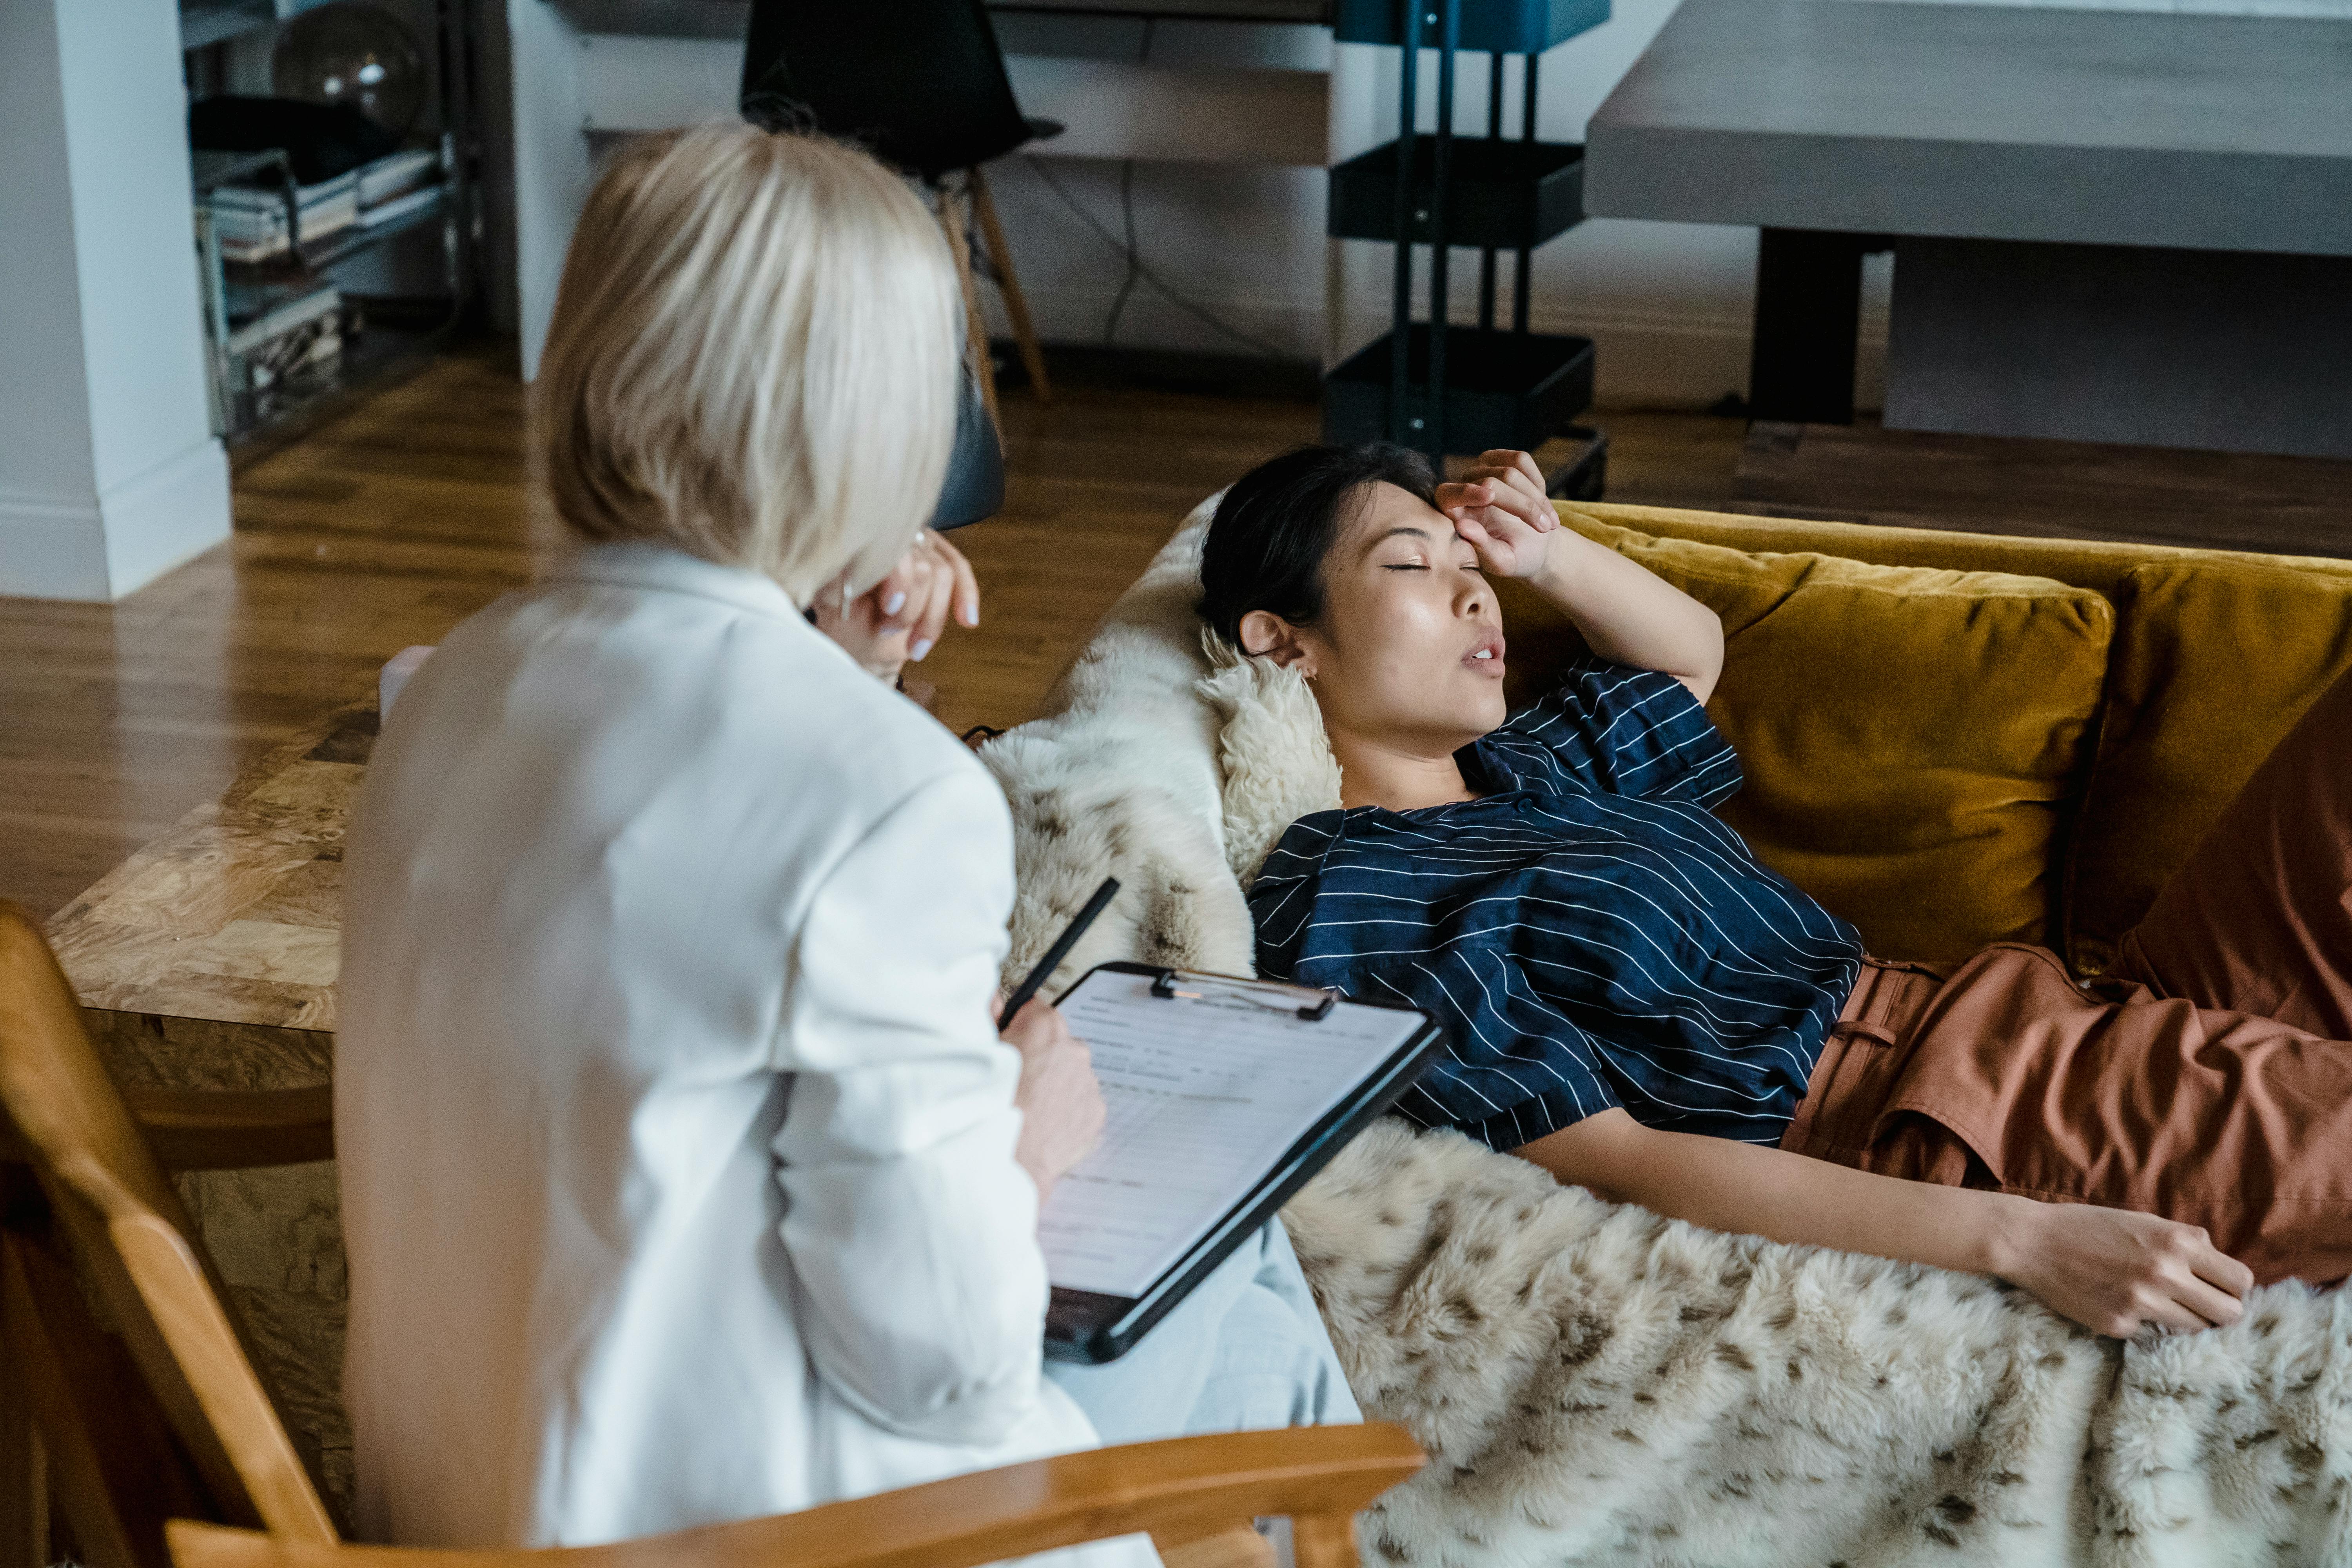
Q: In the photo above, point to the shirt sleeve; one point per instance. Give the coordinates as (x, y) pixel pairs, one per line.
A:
(919, 1287)
(1514, 1068)
(1612, 729)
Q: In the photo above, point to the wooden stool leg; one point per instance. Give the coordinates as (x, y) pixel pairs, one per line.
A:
(1016, 304)
(975, 325)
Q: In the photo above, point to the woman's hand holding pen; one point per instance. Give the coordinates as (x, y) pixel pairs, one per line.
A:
(1060, 1103)
(901, 618)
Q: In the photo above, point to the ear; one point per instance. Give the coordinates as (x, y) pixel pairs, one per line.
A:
(1266, 635)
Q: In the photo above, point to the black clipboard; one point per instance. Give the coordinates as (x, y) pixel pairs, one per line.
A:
(1090, 1326)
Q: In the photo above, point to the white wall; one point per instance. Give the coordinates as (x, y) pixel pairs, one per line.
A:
(109, 471)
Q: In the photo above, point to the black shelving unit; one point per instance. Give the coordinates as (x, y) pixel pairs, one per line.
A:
(254, 307)
(1429, 383)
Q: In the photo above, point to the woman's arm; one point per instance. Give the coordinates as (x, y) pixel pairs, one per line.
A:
(2113, 1270)
(1625, 612)
(911, 1225)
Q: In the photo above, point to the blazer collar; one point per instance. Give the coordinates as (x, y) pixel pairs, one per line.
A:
(636, 565)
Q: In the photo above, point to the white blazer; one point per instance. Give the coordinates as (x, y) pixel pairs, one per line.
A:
(676, 1141)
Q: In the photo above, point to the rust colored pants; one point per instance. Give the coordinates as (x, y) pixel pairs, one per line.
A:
(2208, 1082)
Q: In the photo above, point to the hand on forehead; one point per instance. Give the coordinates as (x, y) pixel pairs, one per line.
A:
(1499, 506)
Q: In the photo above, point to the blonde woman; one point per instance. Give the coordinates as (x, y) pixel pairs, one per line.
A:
(685, 1175)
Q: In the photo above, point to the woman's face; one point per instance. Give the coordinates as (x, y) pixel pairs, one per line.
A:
(1409, 648)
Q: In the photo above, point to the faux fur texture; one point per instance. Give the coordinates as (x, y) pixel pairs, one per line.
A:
(1119, 779)
(1274, 761)
(1596, 1385)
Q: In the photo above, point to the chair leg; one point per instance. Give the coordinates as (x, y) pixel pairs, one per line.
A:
(23, 1475)
(1323, 1540)
(975, 325)
(1016, 304)
(1239, 1546)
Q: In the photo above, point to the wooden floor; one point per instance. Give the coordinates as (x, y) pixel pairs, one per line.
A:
(2049, 489)
(388, 527)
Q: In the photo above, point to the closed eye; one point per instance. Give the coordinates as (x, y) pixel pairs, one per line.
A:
(1405, 566)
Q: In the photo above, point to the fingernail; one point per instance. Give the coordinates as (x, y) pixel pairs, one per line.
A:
(896, 603)
(918, 650)
(970, 612)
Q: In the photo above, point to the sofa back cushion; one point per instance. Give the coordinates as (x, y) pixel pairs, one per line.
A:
(2216, 654)
(1912, 736)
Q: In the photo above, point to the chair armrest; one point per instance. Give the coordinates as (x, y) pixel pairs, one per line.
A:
(1184, 1489)
(234, 1128)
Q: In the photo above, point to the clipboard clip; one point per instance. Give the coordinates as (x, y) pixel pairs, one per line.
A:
(1164, 986)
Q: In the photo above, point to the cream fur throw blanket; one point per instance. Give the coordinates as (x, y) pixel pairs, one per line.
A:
(1595, 1384)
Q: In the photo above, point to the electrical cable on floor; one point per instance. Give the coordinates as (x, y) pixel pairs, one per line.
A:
(1127, 211)
(1130, 251)
(1134, 256)
(1145, 275)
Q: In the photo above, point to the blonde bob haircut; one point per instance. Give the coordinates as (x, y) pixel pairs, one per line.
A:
(753, 357)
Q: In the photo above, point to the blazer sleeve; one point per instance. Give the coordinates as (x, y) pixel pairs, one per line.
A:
(912, 1235)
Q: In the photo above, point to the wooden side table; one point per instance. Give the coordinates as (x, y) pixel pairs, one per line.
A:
(209, 961)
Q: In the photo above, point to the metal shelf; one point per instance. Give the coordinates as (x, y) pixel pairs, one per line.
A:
(204, 23)
(316, 256)
(1499, 195)
(1502, 389)
(1488, 26)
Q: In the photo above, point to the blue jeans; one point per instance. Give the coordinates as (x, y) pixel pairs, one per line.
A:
(1245, 1351)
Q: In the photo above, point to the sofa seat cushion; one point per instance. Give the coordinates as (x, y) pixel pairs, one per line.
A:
(1913, 737)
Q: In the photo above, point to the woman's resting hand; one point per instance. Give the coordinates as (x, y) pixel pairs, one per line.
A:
(900, 618)
(1061, 1104)
(2118, 1271)
(2115, 1271)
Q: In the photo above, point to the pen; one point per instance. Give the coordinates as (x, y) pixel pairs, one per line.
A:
(1058, 951)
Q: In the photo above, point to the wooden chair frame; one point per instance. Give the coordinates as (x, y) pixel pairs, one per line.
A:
(1181, 1490)
(160, 1431)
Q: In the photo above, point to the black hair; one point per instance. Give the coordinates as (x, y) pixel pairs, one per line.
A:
(1266, 544)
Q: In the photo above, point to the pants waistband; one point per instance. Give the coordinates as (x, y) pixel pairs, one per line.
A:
(1855, 1074)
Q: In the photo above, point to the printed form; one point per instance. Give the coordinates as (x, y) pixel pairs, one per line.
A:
(1204, 1099)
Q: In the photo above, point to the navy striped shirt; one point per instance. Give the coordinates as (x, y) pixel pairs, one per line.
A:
(1590, 935)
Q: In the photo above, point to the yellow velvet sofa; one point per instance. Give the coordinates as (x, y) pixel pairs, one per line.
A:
(1956, 738)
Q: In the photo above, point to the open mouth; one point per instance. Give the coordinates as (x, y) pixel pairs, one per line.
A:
(1486, 655)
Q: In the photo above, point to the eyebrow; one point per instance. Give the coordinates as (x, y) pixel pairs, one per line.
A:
(1421, 533)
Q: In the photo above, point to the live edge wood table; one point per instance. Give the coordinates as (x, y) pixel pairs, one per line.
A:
(209, 961)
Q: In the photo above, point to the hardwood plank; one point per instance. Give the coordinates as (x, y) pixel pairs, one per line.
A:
(405, 515)
(2052, 489)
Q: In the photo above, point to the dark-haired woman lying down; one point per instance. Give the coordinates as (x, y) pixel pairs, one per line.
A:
(1640, 1007)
